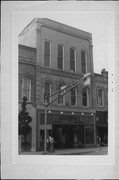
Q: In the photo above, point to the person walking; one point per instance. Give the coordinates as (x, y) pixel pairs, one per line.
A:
(48, 144)
(51, 144)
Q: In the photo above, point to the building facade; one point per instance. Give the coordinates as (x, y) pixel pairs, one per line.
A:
(52, 55)
(100, 99)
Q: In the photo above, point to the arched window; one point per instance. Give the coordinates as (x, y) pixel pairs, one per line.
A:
(83, 62)
(47, 92)
(26, 88)
(100, 97)
(85, 97)
(73, 97)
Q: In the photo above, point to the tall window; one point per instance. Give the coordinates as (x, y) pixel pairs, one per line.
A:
(47, 89)
(72, 59)
(60, 97)
(73, 96)
(100, 97)
(60, 57)
(47, 45)
(83, 62)
(85, 97)
(26, 88)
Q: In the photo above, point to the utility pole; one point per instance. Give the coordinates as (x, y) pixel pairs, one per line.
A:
(45, 138)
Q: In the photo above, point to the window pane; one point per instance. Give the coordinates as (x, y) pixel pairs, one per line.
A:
(85, 96)
(60, 98)
(60, 57)
(47, 47)
(73, 97)
(26, 91)
(60, 63)
(100, 97)
(72, 59)
(46, 92)
(47, 54)
(72, 66)
(60, 51)
(83, 62)
(46, 60)
(72, 53)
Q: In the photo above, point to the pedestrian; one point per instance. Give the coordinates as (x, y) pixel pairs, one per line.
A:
(51, 144)
(48, 145)
(99, 141)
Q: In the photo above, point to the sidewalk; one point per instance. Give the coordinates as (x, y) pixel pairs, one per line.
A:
(76, 151)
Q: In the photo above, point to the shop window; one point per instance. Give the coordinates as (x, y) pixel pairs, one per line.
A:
(26, 88)
(47, 47)
(89, 134)
(60, 57)
(85, 97)
(73, 96)
(47, 90)
(72, 59)
(100, 97)
(83, 62)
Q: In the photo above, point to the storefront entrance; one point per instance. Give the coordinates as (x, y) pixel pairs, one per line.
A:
(68, 136)
(102, 132)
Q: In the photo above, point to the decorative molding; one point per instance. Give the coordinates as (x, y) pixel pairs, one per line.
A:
(67, 30)
(57, 72)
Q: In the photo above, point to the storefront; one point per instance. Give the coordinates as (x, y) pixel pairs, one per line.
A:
(68, 131)
(102, 126)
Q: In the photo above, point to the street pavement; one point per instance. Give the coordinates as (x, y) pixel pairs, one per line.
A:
(76, 151)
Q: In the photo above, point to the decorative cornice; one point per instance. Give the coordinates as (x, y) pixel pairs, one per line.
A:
(58, 72)
(67, 109)
(57, 26)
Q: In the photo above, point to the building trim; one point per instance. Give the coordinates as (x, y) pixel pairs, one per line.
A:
(57, 72)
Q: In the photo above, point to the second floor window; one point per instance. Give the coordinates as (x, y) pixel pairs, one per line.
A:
(60, 97)
(73, 96)
(60, 57)
(47, 89)
(47, 45)
(26, 88)
(100, 97)
(72, 59)
(85, 97)
(83, 62)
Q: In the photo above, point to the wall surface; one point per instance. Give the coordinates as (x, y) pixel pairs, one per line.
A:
(68, 41)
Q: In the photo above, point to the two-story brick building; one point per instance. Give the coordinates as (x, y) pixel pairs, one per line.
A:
(51, 55)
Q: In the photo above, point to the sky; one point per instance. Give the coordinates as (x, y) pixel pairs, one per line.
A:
(97, 23)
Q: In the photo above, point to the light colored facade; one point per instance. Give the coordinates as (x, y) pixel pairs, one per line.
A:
(63, 55)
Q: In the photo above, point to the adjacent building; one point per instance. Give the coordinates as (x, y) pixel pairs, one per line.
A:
(52, 55)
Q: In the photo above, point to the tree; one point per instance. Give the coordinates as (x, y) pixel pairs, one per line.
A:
(24, 120)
